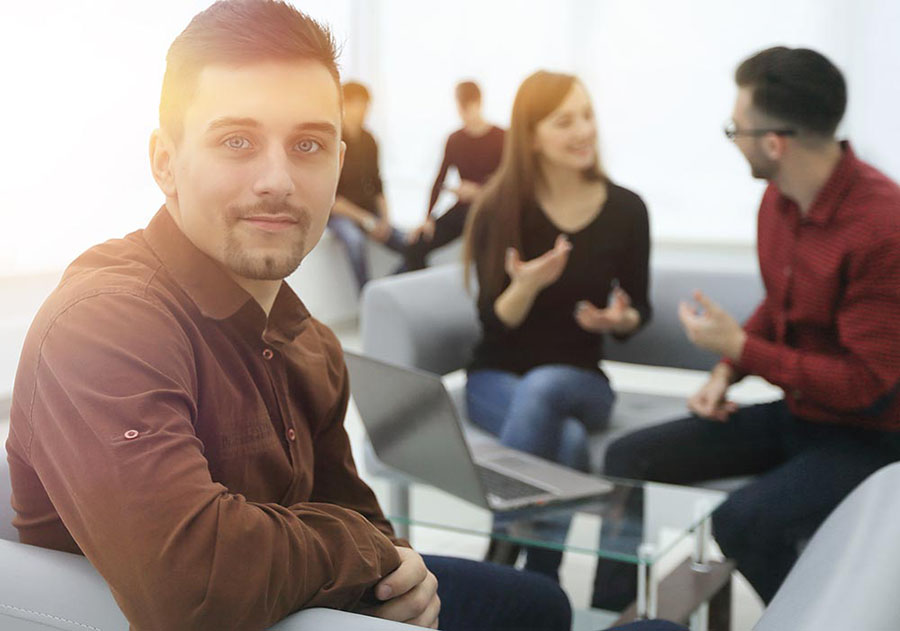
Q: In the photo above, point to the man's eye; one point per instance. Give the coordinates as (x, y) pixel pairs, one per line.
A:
(308, 146)
(237, 142)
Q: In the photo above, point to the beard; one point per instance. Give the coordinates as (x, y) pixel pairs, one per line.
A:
(762, 168)
(274, 262)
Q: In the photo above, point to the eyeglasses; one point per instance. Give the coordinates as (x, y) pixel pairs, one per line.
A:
(732, 132)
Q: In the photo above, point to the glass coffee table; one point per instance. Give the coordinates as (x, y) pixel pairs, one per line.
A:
(644, 524)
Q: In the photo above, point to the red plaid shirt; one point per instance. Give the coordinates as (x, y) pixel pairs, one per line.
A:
(828, 331)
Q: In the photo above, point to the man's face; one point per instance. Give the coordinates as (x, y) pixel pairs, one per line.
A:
(745, 118)
(469, 113)
(254, 175)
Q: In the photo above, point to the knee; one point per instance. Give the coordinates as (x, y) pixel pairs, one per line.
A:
(542, 603)
(734, 523)
(543, 385)
(624, 459)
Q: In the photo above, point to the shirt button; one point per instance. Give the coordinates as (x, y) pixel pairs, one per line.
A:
(797, 394)
(787, 270)
(131, 434)
(267, 353)
(291, 434)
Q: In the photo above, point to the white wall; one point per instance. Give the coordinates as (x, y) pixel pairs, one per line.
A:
(82, 82)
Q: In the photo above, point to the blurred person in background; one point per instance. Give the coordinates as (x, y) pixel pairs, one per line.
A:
(475, 152)
(360, 210)
(561, 255)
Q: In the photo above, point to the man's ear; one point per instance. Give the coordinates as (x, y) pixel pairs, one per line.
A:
(161, 158)
(774, 146)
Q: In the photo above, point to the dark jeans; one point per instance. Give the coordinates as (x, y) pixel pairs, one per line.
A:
(447, 227)
(487, 596)
(804, 470)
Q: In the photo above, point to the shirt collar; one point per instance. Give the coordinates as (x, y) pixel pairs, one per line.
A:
(832, 194)
(209, 286)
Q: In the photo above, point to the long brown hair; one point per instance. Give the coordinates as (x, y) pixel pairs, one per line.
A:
(495, 221)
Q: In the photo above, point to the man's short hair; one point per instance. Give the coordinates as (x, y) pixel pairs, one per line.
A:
(239, 32)
(355, 91)
(797, 86)
(467, 92)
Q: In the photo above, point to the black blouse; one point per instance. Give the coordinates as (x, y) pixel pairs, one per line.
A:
(613, 249)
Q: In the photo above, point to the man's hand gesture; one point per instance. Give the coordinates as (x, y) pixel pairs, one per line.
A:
(711, 327)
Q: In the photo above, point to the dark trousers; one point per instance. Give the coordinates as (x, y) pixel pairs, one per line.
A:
(477, 596)
(447, 227)
(804, 470)
(491, 597)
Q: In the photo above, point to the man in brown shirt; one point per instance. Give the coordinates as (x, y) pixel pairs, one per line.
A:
(177, 414)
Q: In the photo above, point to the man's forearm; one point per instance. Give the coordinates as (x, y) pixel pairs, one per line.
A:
(345, 208)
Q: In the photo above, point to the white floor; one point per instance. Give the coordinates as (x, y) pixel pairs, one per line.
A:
(577, 569)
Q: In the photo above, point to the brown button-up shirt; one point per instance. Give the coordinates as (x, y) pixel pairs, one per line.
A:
(192, 448)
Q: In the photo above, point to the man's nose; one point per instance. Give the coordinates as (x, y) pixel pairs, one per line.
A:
(274, 176)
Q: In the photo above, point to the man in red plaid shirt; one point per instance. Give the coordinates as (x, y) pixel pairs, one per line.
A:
(827, 333)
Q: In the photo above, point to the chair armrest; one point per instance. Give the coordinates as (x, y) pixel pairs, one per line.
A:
(320, 619)
(47, 589)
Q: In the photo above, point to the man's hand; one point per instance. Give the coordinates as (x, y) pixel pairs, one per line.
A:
(709, 402)
(424, 232)
(381, 231)
(712, 328)
(618, 317)
(542, 271)
(409, 593)
(467, 191)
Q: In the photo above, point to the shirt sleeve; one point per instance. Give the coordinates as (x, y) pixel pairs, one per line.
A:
(115, 448)
(857, 376)
(634, 271)
(439, 180)
(376, 170)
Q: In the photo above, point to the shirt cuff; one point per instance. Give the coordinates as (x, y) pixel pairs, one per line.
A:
(758, 357)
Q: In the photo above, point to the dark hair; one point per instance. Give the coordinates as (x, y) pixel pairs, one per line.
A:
(356, 91)
(797, 86)
(495, 221)
(239, 32)
(467, 92)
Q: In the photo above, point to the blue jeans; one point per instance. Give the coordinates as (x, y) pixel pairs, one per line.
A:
(355, 241)
(496, 597)
(548, 412)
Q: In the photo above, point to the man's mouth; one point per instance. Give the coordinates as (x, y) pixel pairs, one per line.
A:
(271, 223)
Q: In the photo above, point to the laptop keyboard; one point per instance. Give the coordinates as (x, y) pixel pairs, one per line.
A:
(505, 487)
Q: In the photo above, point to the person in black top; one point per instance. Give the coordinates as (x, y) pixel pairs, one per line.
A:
(475, 151)
(360, 211)
(561, 255)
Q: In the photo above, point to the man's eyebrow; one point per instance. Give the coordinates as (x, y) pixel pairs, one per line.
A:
(325, 128)
(231, 121)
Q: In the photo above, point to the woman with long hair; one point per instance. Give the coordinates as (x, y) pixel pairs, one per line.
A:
(561, 256)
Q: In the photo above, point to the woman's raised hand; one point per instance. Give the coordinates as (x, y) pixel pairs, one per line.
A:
(542, 271)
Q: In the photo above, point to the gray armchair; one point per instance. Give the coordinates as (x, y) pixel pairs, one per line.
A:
(847, 577)
(427, 320)
(44, 589)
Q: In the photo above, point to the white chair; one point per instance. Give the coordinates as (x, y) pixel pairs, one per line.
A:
(45, 589)
(847, 577)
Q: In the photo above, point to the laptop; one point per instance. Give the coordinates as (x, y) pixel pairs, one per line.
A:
(414, 427)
